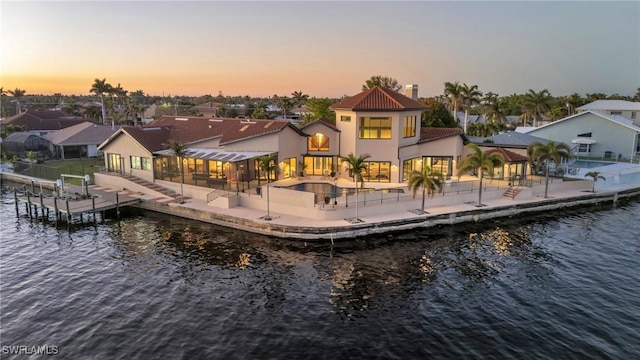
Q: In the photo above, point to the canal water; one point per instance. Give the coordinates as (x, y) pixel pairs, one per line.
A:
(559, 285)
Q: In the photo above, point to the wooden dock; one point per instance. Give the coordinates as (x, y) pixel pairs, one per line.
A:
(71, 204)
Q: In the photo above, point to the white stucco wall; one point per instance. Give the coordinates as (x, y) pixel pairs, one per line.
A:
(126, 147)
(609, 135)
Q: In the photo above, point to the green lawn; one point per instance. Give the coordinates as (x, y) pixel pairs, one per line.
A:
(52, 170)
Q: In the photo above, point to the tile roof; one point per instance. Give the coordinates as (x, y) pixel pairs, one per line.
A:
(42, 120)
(433, 133)
(157, 134)
(508, 156)
(379, 99)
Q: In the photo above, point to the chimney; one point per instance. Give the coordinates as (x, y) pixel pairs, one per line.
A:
(411, 91)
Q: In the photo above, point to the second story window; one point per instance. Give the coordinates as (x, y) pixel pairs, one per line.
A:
(375, 128)
(409, 126)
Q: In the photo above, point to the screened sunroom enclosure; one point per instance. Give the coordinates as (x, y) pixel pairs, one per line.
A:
(213, 168)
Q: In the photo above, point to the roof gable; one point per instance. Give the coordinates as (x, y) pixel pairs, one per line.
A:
(584, 113)
(379, 99)
(324, 122)
(508, 156)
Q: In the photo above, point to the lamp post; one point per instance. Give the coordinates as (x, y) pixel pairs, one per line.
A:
(335, 189)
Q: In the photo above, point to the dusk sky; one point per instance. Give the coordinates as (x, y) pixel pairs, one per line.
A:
(320, 48)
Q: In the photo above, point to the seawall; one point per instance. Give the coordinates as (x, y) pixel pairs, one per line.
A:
(310, 233)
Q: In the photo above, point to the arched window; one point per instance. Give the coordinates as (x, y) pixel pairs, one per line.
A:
(318, 142)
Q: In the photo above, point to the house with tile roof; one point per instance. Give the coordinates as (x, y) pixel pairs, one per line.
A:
(386, 125)
(219, 150)
(42, 122)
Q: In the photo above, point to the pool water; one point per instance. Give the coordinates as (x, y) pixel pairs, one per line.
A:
(588, 164)
(321, 189)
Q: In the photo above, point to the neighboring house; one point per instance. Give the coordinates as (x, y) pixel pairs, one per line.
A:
(42, 122)
(595, 135)
(19, 143)
(511, 140)
(80, 140)
(627, 109)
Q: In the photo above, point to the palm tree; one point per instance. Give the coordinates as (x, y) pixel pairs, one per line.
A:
(17, 95)
(481, 162)
(357, 165)
(493, 112)
(536, 104)
(100, 88)
(453, 93)
(572, 102)
(179, 150)
(595, 175)
(428, 180)
(268, 165)
(539, 153)
(285, 104)
(299, 98)
(2, 92)
(470, 97)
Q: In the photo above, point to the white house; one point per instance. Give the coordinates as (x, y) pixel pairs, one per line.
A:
(594, 134)
(626, 109)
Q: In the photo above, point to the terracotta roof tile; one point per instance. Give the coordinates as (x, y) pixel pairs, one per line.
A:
(433, 133)
(379, 99)
(508, 156)
(42, 120)
(157, 135)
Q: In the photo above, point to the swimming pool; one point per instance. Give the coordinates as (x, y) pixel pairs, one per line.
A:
(588, 164)
(321, 189)
(325, 189)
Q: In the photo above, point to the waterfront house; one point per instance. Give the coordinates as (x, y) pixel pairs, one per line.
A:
(626, 109)
(223, 152)
(384, 124)
(595, 135)
(220, 152)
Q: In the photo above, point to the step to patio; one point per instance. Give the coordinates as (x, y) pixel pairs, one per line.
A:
(512, 192)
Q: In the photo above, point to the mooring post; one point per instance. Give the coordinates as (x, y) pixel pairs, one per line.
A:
(117, 206)
(15, 198)
(93, 208)
(41, 205)
(55, 208)
(68, 212)
(33, 187)
(29, 204)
